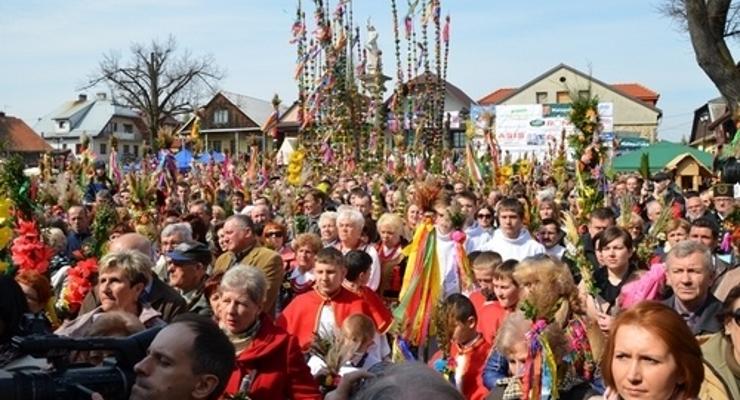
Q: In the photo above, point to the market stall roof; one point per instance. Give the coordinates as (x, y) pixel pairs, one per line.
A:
(661, 154)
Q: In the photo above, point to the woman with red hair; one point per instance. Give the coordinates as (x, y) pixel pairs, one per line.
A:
(651, 354)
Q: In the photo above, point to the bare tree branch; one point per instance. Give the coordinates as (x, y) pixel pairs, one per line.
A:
(709, 23)
(157, 82)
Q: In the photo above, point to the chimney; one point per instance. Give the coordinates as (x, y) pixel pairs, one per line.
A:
(100, 95)
(82, 97)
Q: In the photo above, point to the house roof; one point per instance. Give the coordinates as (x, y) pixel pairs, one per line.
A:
(255, 109)
(420, 81)
(627, 90)
(496, 96)
(88, 116)
(661, 155)
(637, 91)
(19, 137)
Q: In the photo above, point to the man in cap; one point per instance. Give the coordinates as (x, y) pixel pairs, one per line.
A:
(665, 190)
(187, 265)
(724, 200)
(99, 182)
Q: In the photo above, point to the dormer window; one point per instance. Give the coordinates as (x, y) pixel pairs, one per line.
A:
(221, 116)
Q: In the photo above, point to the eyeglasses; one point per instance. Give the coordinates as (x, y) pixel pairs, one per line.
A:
(274, 234)
(486, 216)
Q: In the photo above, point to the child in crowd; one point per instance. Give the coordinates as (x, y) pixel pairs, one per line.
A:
(358, 332)
(468, 348)
(507, 295)
(358, 274)
(484, 264)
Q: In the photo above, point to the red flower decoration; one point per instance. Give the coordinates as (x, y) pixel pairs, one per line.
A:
(28, 252)
(79, 283)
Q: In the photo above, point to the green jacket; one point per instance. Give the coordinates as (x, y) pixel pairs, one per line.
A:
(719, 382)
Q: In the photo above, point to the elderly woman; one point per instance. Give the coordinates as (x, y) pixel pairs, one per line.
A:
(328, 228)
(60, 262)
(269, 361)
(722, 354)
(349, 225)
(636, 227)
(652, 354)
(300, 277)
(392, 261)
(171, 236)
(676, 230)
(122, 277)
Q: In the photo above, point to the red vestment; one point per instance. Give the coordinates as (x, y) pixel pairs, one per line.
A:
(379, 313)
(469, 374)
(301, 317)
(490, 315)
(274, 365)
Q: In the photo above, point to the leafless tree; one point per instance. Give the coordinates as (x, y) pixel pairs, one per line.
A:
(711, 24)
(156, 81)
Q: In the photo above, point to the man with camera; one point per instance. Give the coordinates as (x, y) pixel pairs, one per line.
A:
(188, 359)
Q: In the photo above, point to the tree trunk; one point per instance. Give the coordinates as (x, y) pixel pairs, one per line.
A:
(706, 22)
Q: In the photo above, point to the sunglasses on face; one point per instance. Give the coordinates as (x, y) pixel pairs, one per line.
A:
(274, 234)
(486, 216)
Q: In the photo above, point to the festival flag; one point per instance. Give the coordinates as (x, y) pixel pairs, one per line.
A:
(446, 30)
(297, 31)
(270, 126)
(114, 172)
(421, 289)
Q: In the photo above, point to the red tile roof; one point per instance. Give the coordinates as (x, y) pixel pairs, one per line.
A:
(638, 91)
(635, 90)
(496, 96)
(17, 136)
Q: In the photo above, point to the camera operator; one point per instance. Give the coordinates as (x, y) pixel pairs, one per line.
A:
(189, 359)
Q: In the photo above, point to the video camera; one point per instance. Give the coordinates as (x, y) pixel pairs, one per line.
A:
(66, 380)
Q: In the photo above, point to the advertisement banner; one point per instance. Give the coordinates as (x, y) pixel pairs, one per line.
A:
(533, 128)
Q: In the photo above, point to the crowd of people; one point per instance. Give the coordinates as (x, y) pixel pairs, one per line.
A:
(281, 292)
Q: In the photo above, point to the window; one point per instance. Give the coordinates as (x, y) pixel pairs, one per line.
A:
(583, 94)
(103, 148)
(136, 150)
(61, 124)
(221, 116)
(115, 127)
(128, 128)
(126, 149)
(458, 139)
(78, 148)
(232, 146)
(563, 97)
(541, 97)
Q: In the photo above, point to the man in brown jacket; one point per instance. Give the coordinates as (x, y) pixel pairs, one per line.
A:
(241, 246)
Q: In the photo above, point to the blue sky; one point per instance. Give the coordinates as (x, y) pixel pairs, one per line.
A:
(49, 47)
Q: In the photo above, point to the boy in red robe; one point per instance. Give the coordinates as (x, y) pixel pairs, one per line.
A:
(469, 350)
(358, 274)
(483, 265)
(321, 311)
